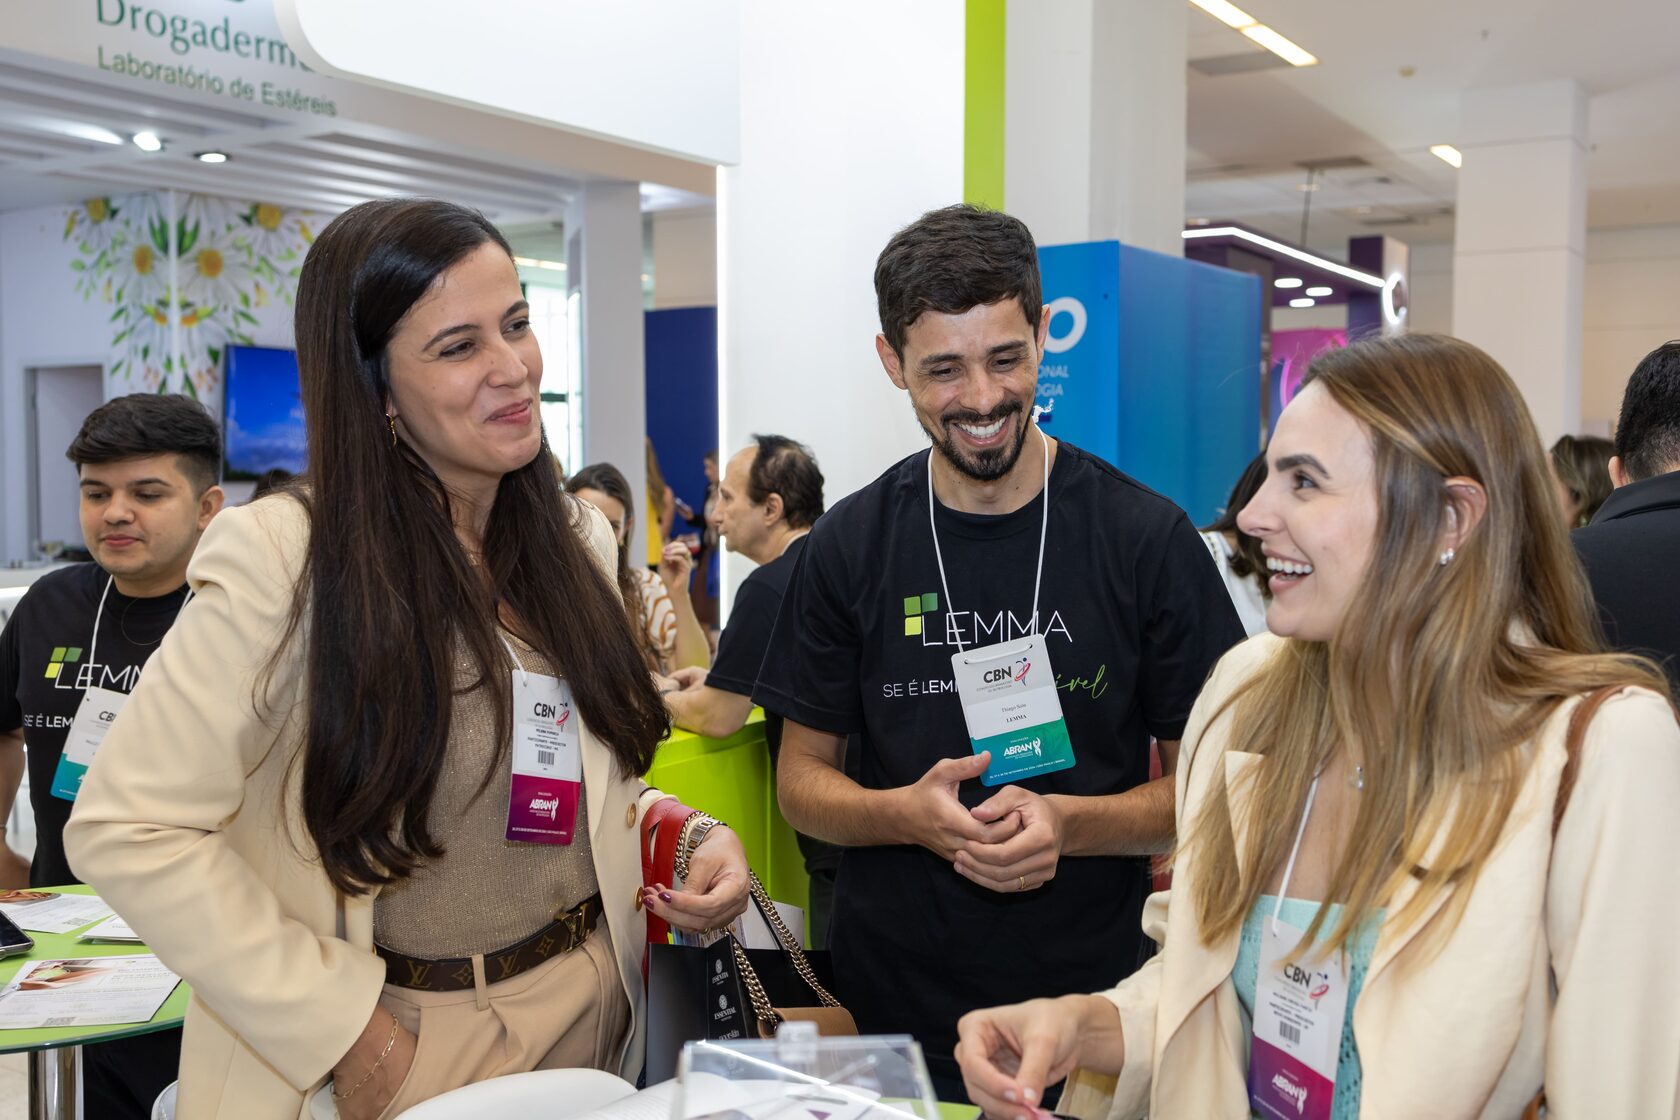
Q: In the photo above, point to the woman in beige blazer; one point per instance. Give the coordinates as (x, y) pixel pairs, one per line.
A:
(1386, 764)
(340, 748)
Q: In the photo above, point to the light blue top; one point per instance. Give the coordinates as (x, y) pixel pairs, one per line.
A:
(1300, 915)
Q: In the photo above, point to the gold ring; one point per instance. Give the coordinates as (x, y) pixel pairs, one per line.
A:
(1023, 885)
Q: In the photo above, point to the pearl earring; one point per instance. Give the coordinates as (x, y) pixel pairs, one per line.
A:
(1446, 557)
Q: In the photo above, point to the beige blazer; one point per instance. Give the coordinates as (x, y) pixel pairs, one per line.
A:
(1474, 1030)
(189, 824)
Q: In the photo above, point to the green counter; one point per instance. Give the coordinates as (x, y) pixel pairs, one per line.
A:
(730, 779)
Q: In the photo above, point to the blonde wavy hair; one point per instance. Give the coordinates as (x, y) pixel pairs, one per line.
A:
(1437, 674)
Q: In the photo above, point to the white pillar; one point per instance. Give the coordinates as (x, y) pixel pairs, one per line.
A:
(1520, 249)
(834, 159)
(1094, 121)
(604, 263)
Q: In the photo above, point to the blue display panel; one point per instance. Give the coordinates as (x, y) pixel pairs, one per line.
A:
(263, 423)
(1153, 363)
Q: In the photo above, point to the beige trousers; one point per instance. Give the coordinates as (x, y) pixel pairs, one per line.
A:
(567, 1013)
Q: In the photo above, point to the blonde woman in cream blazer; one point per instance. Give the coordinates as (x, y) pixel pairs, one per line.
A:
(1470, 1031)
(1418, 570)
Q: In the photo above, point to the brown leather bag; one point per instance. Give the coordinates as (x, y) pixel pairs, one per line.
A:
(1572, 743)
(830, 1017)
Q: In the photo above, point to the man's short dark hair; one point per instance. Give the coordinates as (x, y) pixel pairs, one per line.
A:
(787, 467)
(144, 424)
(1648, 433)
(951, 260)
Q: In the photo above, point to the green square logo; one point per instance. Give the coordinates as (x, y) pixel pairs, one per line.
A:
(930, 602)
(912, 605)
(913, 626)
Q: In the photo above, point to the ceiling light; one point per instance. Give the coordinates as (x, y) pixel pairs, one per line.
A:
(1288, 282)
(1279, 46)
(1323, 264)
(147, 141)
(1302, 302)
(87, 132)
(211, 157)
(533, 262)
(1448, 154)
(1321, 291)
(1227, 13)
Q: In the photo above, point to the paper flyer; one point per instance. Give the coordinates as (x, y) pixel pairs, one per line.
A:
(111, 929)
(86, 992)
(45, 912)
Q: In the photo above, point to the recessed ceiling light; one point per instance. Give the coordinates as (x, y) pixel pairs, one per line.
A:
(211, 157)
(1288, 282)
(1278, 45)
(1448, 154)
(1302, 302)
(147, 141)
(1321, 291)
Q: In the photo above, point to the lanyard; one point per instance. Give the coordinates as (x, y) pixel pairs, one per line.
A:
(1289, 868)
(1043, 531)
(93, 643)
(524, 677)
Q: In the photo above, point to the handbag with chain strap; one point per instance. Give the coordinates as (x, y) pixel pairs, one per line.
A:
(828, 1015)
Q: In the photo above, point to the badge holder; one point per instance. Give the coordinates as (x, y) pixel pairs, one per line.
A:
(1008, 689)
(1299, 1009)
(547, 759)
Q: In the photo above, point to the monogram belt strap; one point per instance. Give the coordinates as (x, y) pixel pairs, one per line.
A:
(565, 933)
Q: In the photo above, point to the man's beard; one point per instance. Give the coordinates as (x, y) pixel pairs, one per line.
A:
(982, 466)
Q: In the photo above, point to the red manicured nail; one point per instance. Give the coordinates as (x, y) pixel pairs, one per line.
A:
(665, 896)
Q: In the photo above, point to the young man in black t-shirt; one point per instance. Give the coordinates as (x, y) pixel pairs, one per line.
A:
(770, 496)
(147, 467)
(953, 895)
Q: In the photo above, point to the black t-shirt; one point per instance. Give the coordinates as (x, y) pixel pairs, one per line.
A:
(46, 662)
(1135, 616)
(741, 646)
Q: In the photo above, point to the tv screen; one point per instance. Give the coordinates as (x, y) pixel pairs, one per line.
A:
(263, 426)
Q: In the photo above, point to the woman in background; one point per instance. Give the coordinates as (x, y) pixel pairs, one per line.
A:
(1581, 471)
(1241, 563)
(658, 603)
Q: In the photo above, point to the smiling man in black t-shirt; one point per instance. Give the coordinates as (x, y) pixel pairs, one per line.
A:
(953, 895)
(147, 467)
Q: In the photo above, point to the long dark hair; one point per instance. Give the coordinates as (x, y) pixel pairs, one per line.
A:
(1247, 559)
(388, 592)
(610, 481)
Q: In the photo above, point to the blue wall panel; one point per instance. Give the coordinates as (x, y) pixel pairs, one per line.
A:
(682, 409)
(1164, 380)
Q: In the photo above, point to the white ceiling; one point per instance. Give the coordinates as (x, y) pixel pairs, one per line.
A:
(1249, 132)
(49, 112)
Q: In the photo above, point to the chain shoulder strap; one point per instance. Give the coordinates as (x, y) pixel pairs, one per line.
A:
(762, 1008)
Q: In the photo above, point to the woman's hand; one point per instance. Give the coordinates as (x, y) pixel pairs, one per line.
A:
(1009, 1055)
(718, 887)
(377, 1092)
(675, 563)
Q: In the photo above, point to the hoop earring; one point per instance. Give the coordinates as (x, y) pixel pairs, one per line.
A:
(1446, 557)
(391, 422)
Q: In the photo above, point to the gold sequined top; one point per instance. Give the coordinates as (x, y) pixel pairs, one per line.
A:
(485, 892)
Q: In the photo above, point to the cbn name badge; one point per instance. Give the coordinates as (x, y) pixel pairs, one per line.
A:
(1299, 1007)
(1012, 708)
(547, 761)
(94, 717)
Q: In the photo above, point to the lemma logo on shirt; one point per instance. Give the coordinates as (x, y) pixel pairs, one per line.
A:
(62, 656)
(915, 606)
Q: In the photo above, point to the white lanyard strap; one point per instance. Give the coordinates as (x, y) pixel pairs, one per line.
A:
(524, 677)
(1043, 532)
(93, 642)
(1289, 868)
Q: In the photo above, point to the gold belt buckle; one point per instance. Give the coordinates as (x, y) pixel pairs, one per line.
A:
(573, 920)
